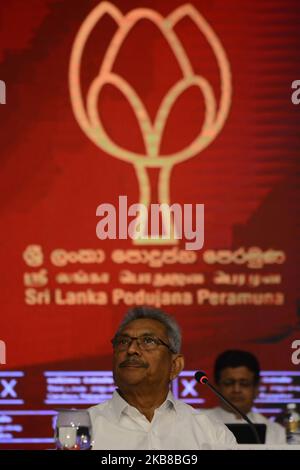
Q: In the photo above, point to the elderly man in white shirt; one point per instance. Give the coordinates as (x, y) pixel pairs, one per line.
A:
(237, 378)
(143, 413)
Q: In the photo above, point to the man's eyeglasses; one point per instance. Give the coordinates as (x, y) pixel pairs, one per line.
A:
(144, 342)
(242, 383)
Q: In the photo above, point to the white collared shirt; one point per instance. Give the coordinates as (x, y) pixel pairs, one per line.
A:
(175, 426)
(275, 433)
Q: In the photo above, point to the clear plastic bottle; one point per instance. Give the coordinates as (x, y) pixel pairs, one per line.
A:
(291, 422)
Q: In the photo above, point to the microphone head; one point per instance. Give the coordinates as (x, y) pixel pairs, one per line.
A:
(201, 377)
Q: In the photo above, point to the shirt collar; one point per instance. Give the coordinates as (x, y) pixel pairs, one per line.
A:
(120, 405)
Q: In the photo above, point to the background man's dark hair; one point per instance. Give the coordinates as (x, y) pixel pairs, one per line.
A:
(236, 358)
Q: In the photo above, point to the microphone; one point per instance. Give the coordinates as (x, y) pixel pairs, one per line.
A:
(201, 377)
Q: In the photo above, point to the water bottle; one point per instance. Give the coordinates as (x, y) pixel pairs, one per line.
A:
(291, 422)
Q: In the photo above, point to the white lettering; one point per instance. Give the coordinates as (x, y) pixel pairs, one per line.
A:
(175, 222)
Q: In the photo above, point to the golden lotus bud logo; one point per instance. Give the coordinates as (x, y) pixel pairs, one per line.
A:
(86, 110)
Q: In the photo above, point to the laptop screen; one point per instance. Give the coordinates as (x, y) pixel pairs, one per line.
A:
(244, 434)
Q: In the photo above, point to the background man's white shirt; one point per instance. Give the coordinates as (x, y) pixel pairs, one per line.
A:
(275, 433)
(175, 426)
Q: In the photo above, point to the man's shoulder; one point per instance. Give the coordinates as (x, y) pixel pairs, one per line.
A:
(99, 409)
(259, 418)
(211, 426)
(213, 413)
(201, 415)
(276, 433)
(100, 406)
(185, 409)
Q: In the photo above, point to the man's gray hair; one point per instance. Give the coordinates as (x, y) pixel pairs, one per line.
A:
(172, 328)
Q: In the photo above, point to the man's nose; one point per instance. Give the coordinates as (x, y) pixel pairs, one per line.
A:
(237, 387)
(133, 348)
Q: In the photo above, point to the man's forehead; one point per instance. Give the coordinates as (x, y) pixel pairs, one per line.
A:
(237, 372)
(143, 326)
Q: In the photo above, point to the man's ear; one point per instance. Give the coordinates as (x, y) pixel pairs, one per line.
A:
(177, 365)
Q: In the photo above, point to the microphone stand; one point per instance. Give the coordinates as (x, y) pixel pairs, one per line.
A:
(204, 380)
